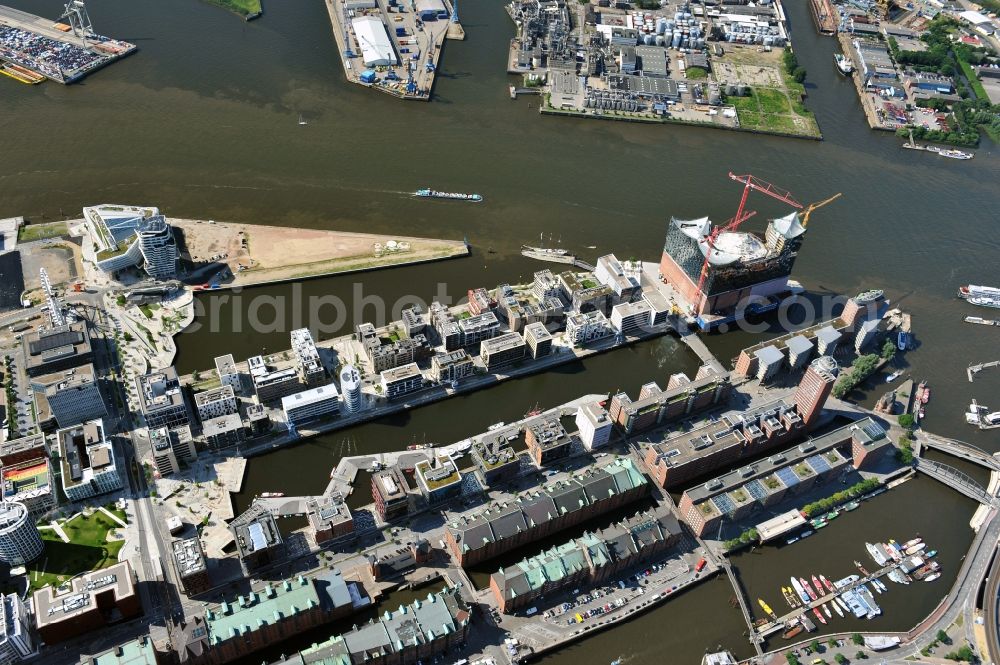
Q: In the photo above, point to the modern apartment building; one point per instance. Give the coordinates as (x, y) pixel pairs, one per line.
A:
(87, 461)
(310, 367)
(161, 399)
(451, 366)
(20, 542)
(74, 397)
(216, 402)
(594, 425)
(502, 351)
(399, 381)
(271, 385)
(311, 405)
(389, 490)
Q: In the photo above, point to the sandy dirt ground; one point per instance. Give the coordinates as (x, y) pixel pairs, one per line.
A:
(257, 254)
(60, 258)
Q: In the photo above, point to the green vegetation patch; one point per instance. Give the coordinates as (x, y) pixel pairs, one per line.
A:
(241, 7)
(88, 549)
(695, 73)
(825, 505)
(31, 232)
(772, 101)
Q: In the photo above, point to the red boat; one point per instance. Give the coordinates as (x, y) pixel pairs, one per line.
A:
(805, 585)
(819, 587)
(926, 396)
(827, 583)
(819, 615)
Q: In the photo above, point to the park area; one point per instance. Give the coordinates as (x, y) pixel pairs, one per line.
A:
(89, 548)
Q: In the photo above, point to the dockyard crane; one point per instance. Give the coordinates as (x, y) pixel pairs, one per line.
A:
(813, 206)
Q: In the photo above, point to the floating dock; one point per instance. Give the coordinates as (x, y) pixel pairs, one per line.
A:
(972, 370)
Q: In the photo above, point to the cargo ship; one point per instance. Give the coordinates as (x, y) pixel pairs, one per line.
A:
(451, 196)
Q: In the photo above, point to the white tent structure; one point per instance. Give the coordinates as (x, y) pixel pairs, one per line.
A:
(373, 38)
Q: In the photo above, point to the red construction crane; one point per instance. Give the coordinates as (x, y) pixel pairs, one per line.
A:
(750, 182)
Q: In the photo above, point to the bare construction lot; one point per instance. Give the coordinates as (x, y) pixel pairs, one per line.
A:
(261, 254)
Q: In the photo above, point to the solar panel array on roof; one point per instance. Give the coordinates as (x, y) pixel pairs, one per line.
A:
(787, 476)
(873, 430)
(54, 339)
(818, 463)
(756, 490)
(724, 504)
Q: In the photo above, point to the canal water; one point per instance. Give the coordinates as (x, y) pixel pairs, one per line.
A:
(202, 122)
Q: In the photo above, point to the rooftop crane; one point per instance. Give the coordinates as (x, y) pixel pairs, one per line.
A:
(750, 182)
(814, 206)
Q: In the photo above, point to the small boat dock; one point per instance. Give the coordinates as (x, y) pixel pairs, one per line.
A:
(972, 370)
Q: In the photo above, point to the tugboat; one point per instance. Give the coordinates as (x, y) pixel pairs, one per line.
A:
(452, 196)
(844, 65)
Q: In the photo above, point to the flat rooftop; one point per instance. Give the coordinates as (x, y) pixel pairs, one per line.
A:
(53, 606)
(188, 556)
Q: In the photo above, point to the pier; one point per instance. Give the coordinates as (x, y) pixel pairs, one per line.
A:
(972, 370)
(755, 635)
(558, 258)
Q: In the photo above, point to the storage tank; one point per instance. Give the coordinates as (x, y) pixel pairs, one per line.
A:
(676, 42)
(649, 39)
(661, 25)
(660, 41)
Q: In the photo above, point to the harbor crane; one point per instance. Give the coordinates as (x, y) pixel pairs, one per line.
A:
(75, 12)
(750, 182)
(813, 206)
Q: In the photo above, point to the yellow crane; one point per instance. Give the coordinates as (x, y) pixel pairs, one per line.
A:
(813, 206)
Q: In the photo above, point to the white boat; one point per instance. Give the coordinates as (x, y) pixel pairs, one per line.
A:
(836, 607)
(977, 291)
(826, 610)
(881, 642)
(912, 542)
(495, 426)
(841, 603)
(913, 549)
(876, 554)
(272, 495)
(799, 590)
(844, 65)
(895, 375)
(956, 154)
(932, 577)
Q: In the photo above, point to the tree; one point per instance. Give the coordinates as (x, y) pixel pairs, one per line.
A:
(128, 338)
(943, 637)
(121, 301)
(814, 645)
(888, 350)
(906, 421)
(196, 376)
(860, 655)
(792, 659)
(963, 654)
(841, 659)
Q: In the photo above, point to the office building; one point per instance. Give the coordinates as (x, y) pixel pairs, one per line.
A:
(310, 368)
(584, 328)
(25, 449)
(192, 570)
(495, 459)
(769, 362)
(445, 326)
(867, 332)
(740, 493)
(311, 405)
(632, 318)
(20, 542)
(271, 385)
(56, 349)
(827, 339)
(814, 389)
(258, 540)
(257, 419)
(507, 349)
(87, 603)
(400, 381)
(216, 402)
(590, 560)
(412, 321)
(75, 396)
(87, 461)
(30, 482)
(389, 490)
(451, 366)
(594, 425)
(480, 301)
(610, 272)
(225, 367)
(172, 449)
(223, 431)
(329, 518)
(863, 307)
(477, 328)
(547, 440)
(427, 630)
(800, 350)
(17, 640)
(161, 399)
(657, 408)
(503, 527)
(132, 236)
(350, 386)
(538, 339)
(438, 479)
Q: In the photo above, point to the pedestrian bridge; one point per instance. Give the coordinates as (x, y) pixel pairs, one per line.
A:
(955, 479)
(959, 449)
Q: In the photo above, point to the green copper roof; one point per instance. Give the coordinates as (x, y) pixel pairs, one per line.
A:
(250, 612)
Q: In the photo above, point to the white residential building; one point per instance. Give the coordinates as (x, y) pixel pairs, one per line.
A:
(594, 425)
(310, 405)
(20, 542)
(583, 328)
(401, 380)
(87, 461)
(17, 639)
(216, 402)
(225, 367)
(350, 386)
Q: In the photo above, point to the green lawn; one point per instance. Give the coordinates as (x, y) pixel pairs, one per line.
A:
(30, 232)
(88, 549)
(241, 7)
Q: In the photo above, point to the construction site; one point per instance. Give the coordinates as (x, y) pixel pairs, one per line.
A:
(33, 48)
(721, 273)
(681, 62)
(393, 47)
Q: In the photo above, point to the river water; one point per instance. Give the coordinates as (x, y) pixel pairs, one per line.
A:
(202, 122)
